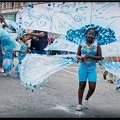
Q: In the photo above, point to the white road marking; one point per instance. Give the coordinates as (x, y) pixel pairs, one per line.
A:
(70, 72)
(75, 73)
(72, 67)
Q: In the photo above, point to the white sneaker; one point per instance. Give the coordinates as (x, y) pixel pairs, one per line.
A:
(86, 104)
(5, 74)
(79, 107)
(9, 73)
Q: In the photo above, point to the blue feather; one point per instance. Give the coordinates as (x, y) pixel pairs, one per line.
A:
(105, 35)
(9, 39)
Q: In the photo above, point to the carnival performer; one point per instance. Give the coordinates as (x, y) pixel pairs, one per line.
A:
(22, 52)
(87, 69)
(4, 24)
(8, 43)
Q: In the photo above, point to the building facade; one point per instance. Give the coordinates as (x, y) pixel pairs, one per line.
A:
(10, 9)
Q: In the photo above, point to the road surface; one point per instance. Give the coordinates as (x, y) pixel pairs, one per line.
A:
(57, 98)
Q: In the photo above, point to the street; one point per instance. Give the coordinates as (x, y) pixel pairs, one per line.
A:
(57, 98)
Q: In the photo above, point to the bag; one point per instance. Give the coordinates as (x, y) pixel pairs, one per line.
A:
(7, 64)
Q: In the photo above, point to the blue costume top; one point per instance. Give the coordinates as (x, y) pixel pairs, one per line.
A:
(8, 54)
(7, 38)
(21, 55)
(85, 50)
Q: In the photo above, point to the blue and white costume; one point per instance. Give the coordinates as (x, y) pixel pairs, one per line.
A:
(8, 38)
(21, 56)
(87, 69)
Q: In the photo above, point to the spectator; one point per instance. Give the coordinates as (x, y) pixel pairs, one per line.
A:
(38, 41)
(106, 73)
